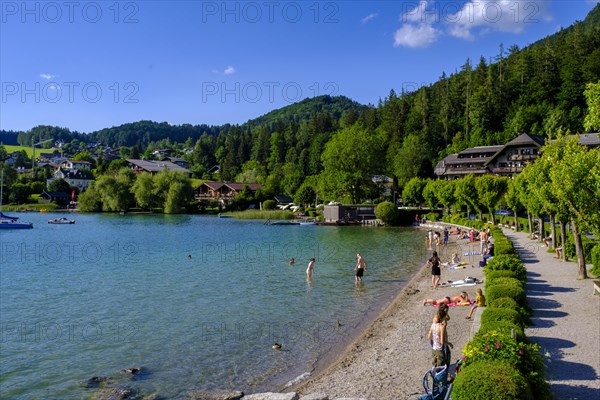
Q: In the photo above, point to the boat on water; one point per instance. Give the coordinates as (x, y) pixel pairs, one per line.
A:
(7, 222)
(284, 222)
(61, 221)
(308, 223)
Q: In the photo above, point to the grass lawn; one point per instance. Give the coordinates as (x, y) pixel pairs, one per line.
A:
(197, 182)
(11, 149)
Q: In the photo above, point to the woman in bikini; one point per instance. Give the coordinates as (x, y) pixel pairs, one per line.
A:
(463, 297)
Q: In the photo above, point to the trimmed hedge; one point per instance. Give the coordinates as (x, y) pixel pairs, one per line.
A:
(491, 380)
(515, 292)
(501, 314)
(510, 263)
(504, 327)
(501, 347)
(491, 276)
(509, 303)
(506, 280)
(504, 302)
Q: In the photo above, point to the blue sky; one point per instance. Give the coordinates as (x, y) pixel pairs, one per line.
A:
(87, 65)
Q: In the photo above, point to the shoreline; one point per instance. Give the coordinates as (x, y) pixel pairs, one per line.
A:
(388, 358)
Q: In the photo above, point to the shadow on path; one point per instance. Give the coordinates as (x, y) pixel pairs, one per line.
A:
(559, 369)
(570, 392)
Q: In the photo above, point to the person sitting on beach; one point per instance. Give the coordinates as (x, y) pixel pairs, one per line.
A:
(461, 299)
(454, 260)
(487, 254)
(479, 302)
(558, 250)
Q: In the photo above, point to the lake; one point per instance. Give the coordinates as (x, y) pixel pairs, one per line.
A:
(196, 301)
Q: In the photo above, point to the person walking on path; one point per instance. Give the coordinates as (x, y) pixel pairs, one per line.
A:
(436, 272)
(360, 268)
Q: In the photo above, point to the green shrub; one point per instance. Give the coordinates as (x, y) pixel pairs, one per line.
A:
(269, 204)
(489, 380)
(504, 327)
(506, 280)
(596, 260)
(501, 314)
(433, 217)
(491, 276)
(515, 292)
(387, 213)
(588, 245)
(504, 302)
(510, 303)
(508, 262)
(499, 347)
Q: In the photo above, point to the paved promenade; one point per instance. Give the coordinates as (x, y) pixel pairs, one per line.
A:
(565, 322)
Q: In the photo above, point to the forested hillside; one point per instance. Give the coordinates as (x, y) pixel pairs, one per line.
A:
(335, 145)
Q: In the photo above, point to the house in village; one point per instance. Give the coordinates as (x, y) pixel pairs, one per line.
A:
(79, 178)
(176, 160)
(154, 167)
(503, 160)
(60, 198)
(222, 191)
(74, 164)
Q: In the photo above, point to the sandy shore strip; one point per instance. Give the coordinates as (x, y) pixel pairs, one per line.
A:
(565, 322)
(388, 360)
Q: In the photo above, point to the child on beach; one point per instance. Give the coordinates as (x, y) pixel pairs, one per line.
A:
(479, 302)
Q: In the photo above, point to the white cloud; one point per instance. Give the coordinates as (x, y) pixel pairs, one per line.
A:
(426, 22)
(421, 35)
(47, 76)
(483, 16)
(369, 18)
(229, 70)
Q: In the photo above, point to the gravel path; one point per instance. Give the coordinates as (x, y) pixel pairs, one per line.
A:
(565, 323)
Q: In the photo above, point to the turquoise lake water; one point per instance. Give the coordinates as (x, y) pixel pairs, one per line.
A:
(112, 292)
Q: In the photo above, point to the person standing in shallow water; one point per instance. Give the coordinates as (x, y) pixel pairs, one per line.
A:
(311, 267)
(436, 272)
(360, 268)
